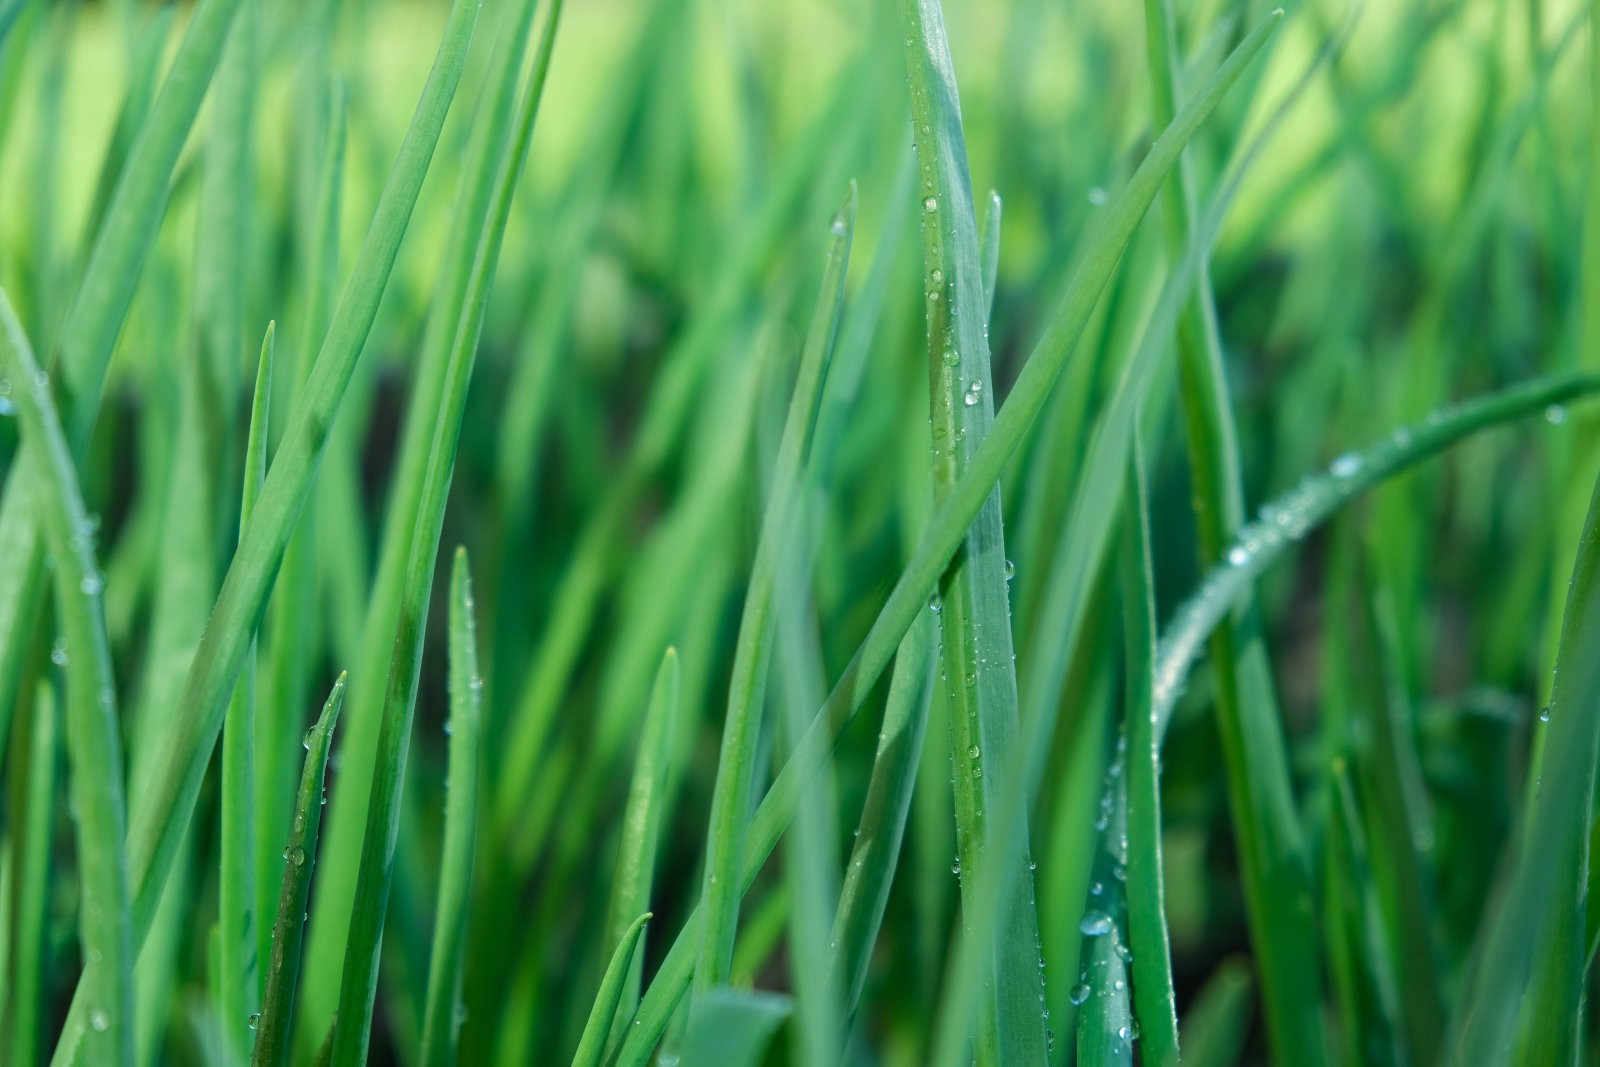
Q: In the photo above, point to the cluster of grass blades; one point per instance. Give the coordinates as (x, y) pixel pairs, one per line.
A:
(868, 654)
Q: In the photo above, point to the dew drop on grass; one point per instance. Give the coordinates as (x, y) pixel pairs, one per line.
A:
(99, 1020)
(1096, 924)
(255, 1019)
(931, 204)
(58, 652)
(295, 855)
(1098, 196)
(1079, 994)
(936, 604)
(1346, 466)
(955, 868)
(1555, 414)
(1544, 713)
(974, 752)
(1238, 556)
(91, 584)
(1010, 570)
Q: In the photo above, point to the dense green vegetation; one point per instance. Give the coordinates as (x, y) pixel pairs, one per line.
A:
(798, 532)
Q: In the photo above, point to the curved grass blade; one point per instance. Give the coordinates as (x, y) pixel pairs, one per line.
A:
(496, 154)
(730, 799)
(358, 982)
(162, 812)
(440, 1019)
(236, 887)
(949, 522)
(592, 1044)
(275, 1028)
(642, 821)
(1287, 519)
(977, 667)
(1107, 1029)
(870, 872)
(1147, 920)
(93, 740)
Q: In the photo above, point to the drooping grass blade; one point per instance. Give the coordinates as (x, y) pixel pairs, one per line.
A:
(276, 1026)
(442, 1012)
(93, 739)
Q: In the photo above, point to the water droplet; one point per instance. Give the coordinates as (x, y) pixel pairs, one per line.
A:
(1098, 196)
(951, 357)
(295, 855)
(1095, 888)
(933, 295)
(936, 276)
(931, 204)
(91, 584)
(1079, 994)
(936, 604)
(305, 742)
(255, 1019)
(839, 228)
(974, 752)
(448, 728)
(955, 868)
(99, 1020)
(1238, 556)
(974, 393)
(58, 652)
(1033, 865)
(1010, 570)
(1544, 713)
(1555, 414)
(1346, 466)
(1096, 924)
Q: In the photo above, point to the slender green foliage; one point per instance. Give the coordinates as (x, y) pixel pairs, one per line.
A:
(592, 1045)
(275, 1026)
(441, 1016)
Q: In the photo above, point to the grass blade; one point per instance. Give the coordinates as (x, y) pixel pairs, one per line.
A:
(358, 981)
(276, 1026)
(730, 799)
(1147, 920)
(1214, 1027)
(449, 349)
(1287, 519)
(643, 819)
(443, 1011)
(236, 879)
(93, 740)
(733, 1027)
(870, 872)
(32, 779)
(976, 661)
(1532, 938)
(592, 1045)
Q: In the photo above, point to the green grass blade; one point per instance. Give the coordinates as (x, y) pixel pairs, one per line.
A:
(591, 1046)
(870, 872)
(162, 812)
(1286, 520)
(1532, 939)
(733, 1027)
(442, 1012)
(93, 740)
(643, 819)
(276, 1026)
(287, 674)
(31, 779)
(358, 981)
(977, 667)
(449, 349)
(236, 884)
(730, 799)
(1107, 1029)
(1154, 999)
(1215, 1026)
(991, 250)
